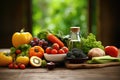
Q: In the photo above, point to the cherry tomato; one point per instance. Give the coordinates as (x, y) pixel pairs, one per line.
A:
(16, 66)
(55, 46)
(19, 64)
(22, 66)
(61, 51)
(48, 50)
(65, 49)
(111, 50)
(11, 65)
(54, 51)
(18, 51)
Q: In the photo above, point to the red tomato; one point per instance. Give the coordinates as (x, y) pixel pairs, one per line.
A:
(22, 66)
(54, 51)
(16, 66)
(19, 64)
(65, 49)
(18, 51)
(61, 51)
(48, 50)
(55, 46)
(11, 65)
(111, 50)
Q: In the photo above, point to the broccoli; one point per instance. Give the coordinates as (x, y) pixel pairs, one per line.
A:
(69, 54)
(76, 53)
(72, 57)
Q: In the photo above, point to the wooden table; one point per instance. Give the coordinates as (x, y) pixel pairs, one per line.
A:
(106, 73)
(60, 73)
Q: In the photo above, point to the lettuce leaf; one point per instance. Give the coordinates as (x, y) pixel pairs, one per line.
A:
(89, 43)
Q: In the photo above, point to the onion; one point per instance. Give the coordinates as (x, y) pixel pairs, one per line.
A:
(96, 52)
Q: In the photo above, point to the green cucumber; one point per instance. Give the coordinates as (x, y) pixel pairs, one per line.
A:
(103, 59)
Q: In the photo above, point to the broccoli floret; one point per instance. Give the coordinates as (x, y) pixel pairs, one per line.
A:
(72, 57)
(75, 49)
(69, 54)
(82, 55)
(76, 54)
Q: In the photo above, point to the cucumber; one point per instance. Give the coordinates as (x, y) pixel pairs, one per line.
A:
(103, 59)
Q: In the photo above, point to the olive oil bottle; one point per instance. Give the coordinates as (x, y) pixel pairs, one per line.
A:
(74, 38)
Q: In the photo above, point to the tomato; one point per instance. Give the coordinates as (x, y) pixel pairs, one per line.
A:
(54, 51)
(65, 49)
(16, 66)
(18, 51)
(22, 66)
(19, 64)
(11, 65)
(55, 46)
(61, 51)
(48, 50)
(111, 50)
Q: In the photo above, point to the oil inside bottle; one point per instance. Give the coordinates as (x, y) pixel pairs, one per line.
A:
(74, 44)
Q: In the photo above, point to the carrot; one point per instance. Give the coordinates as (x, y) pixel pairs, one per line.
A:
(54, 39)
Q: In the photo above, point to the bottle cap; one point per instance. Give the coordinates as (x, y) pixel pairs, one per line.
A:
(75, 29)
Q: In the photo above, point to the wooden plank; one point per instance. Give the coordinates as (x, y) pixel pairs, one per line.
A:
(108, 22)
(84, 65)
(60, 74)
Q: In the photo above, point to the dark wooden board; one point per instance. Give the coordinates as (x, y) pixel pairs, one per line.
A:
(85, 65)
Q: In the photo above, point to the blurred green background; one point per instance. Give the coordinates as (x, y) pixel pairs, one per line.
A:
(59, 15)
(100, 17)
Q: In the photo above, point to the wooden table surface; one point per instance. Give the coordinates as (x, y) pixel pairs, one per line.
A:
(106, 73)
(60, 73)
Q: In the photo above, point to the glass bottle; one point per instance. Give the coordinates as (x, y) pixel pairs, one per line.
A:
(74, 38)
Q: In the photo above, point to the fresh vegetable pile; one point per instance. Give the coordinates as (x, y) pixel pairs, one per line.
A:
(29, 51)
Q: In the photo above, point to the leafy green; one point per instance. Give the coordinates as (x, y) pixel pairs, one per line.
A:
(42, 34)
(12, 50)
(24, 47)
(89, 43)
(24, 50)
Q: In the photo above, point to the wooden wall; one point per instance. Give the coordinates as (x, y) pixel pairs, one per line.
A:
(14, 15)
(108, 21)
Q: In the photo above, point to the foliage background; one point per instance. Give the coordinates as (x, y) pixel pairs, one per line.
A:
(59, 15)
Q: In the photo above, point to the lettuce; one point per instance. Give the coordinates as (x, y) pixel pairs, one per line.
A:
(90, 42)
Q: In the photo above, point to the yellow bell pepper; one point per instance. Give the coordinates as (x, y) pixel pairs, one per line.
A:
(5, 60)
(19, 38)
(22, 59)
